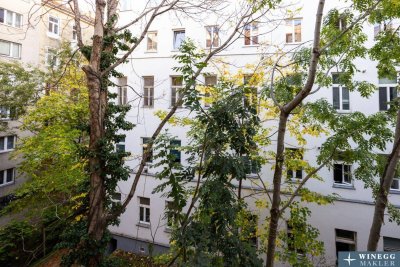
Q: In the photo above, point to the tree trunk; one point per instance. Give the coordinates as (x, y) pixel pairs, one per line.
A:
(384, 187)
(276, 197)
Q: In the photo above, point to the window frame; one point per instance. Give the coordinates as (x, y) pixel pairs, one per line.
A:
(145, 141)
(293, 30)
(5, 144)
(343, 183)
(345, 240)
(52, 33)
(395, 179)
(154, 43)
(207, 95)
(148, 92)
(293, 176)
(385, 86)
(174, 44)
(122, 91)
(7, 112)
(176, 90)
(4, 173)
(14, 18)
(11, 49)
(340, 89)
(213, 35)
(55, 57)
(144, 211)
(121, 145)
(176, 143)
(251, 35)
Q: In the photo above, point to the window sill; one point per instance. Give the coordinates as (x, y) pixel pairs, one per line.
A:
(10, 57)
(7, 184)
(252, 176)
(143, 225)
(150, 52)
(11, 26)
(344, 186)
(6, 151)
(394, 192)
(257, 45)
(294, 180)
(53, 35)
(294, 43)
(342, 111)
(149, 107)
(168, 230)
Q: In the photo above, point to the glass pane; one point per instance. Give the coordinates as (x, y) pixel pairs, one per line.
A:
(345, 99)
(208, 36)
(18, 20)
(10, 142)
(215, 42)
(55, 28)
(382, 98)
(211, 80)
(336, 101)
(345, 234)
(9, 18)
(148, 81)
(175, 152)
(387, 80)
(2, 181)
(393, 93)
(347, 173)
(15, 50)
(176, 81)
(4, 48)
(141, 216)
(297, 30)
(10, 175)
(179, 37)
(2, 143)
(337, 173)
(1, 15)
(395, 184)
(147, 215)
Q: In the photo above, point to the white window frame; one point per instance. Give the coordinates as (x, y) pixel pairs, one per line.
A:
(146, 211)
(212, 34)
(13, 18)
(340, 88)
(122, 91)
(11, 50)
(175, 45)
(176, 91)
(148, 92)
(7, 113)
(343, 183)
(292, 30)
(51, 51)
(152, 43)
(383, 83)
(6, 138)
(250, 32)
(3, 180)
(52, 33)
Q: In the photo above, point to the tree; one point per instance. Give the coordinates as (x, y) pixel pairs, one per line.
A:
(106, 119)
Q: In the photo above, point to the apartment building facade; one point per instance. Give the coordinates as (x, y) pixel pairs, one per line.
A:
(31, 32)
(344, 225)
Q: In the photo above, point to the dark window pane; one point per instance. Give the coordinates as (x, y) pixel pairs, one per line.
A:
(2, 15)
(393, 93)
(175, 152)
(145, 201)
(147, 215)
(336, 96)
(2, 181)
(347, 173)
(10, 175)
(146, 142)
(345, 234)
(382, 98)
(337, 173)
(141, 217)
(10, 142)
(299, 174)
(2, 143)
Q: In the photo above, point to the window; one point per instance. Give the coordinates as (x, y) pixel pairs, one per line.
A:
(152, 41)
(176, 88)
(293, 31)
(395, 184)
(383, 26)
(144, 210)
(175, 151)
(250, 91)
(4, 113)
(179, 37)
(7, 143)
(146, 142)
(387, 92)
(74, 34)
(212, 39)
(251, 167)
(294, 157)
(251, 34)
(120, 146)
(148, 91)
(10, 49)
(170, 212)
(116, 197)
(345, 240)
(341, 23)
(291, 238)
(126, 5)
(51, 57)
(342, 173)
(391, 244)
(209, 81)
(341, 95)
(10, 18)
(7, 176)
(122, 91)
(54, 25)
